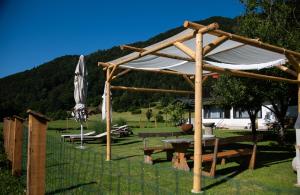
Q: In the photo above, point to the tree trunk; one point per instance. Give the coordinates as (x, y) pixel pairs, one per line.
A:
(253, 126)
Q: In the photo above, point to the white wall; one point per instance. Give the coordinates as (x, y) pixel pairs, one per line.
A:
(236, 123)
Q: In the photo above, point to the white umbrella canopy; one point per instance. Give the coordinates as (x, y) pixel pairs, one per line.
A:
(80, 90)
(80, 94)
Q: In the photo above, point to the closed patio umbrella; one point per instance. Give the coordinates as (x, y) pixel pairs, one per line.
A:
(80, 94)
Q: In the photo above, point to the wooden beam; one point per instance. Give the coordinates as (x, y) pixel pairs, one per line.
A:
(151, 90)
(198, 116)
(147, 70)
(215, 43)
(241, 39)
(121, 73)
(112, 73)
(127, 47)
(247, 74)
(189, 81)
(293, 61)
(287, 70)
(204, 79)
(188, 51)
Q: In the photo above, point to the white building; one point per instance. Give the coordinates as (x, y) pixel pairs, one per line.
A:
(235, 119)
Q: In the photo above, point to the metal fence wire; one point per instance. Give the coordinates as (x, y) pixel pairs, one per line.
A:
(73, 171)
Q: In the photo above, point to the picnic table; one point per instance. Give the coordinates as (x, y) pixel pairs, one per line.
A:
(180, 146)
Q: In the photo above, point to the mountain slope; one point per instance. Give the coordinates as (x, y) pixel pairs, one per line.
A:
(48, 88)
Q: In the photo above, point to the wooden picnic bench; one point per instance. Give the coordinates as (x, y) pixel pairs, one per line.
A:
(219, 152)
(148, 151)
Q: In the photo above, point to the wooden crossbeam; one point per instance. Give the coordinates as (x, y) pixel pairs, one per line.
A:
(215, 43)
(151, 90)
(121, 73)
(146, 70)
(127, 47)
(188, 51)
(247, 74)
(287, 70)
(189, 81)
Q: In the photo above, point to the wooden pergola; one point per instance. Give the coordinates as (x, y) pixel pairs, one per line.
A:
(195, 81)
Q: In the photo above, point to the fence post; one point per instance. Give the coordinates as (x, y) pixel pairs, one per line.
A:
(9, 139)
(36, 151)
(17, 146)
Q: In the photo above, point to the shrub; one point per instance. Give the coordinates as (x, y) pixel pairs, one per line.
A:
(120, 121)
(159, 118)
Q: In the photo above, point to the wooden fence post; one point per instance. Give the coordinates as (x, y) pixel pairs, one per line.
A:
(11, 139)
(8, 129)
(5, 126)
(17, 146)
(36, 159)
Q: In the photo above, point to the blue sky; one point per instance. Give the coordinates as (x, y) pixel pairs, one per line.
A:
(33, 32)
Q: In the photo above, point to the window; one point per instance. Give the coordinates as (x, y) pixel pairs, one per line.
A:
(214, 112)
(238, 113)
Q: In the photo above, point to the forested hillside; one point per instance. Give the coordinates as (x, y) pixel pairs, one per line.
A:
(48, 88)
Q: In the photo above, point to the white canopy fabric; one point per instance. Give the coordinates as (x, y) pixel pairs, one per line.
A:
(80, 90)
(229, 55)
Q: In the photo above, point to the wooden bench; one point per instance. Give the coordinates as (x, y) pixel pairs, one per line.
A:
(223, 153)
(148, 151)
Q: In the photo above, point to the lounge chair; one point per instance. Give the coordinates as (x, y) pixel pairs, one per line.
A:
(88, 138)
(121, 131)
(65, 136)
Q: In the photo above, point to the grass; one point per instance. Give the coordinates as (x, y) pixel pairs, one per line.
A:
(70, 170)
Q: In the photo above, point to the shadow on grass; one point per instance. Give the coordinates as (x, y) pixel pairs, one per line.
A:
(58, 191)
(125, 157)
(234, 171)
(57, 164)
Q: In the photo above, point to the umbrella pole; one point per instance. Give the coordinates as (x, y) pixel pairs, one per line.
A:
(81, 127)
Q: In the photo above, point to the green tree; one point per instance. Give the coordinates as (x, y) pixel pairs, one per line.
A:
(242, 93)
(276, 22)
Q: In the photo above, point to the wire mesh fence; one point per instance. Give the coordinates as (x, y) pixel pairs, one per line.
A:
(73, 171)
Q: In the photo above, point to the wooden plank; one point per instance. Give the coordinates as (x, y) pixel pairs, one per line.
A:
(36, 152)
(163, 134)
(17, 152)
(136, 89)
(241, 39)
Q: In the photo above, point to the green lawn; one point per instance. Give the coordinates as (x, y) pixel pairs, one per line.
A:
(73, 171)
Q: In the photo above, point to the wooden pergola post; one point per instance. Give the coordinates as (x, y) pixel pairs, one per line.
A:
(198, 116)
(17, 146)
(36, 153)
(108, 117)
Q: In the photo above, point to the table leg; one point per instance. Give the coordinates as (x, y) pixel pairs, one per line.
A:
(179, 160)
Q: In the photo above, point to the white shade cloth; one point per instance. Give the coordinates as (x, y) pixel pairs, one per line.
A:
(230, 55)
